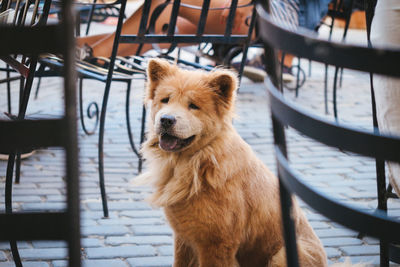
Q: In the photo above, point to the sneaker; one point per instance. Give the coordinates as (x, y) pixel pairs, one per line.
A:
(254, 69)
(287, 75)
(24, 155)
(84, 53)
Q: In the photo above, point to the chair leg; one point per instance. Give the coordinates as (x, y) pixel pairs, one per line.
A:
(8, 90)
(91, 12)
(101, 151)
(142, 135)
(298, 79)
(335, 113)
(41, 69)
(128, 122)
(281, 71)
(18, 168)
(326, 89)
(8, 204)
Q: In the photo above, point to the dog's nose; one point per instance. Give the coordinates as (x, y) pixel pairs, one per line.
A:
(167, 121)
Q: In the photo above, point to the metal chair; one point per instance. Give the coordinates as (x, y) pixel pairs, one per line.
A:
(20, 133)
(22, 68)
(346, 138)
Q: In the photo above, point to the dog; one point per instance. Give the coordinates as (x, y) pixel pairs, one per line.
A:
(221, 201)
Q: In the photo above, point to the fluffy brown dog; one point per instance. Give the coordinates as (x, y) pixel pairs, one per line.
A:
(220, 199)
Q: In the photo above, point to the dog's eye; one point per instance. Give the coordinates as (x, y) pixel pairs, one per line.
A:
(193, 106)
(165, 100)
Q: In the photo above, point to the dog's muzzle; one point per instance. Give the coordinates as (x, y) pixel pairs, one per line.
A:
(167, 140)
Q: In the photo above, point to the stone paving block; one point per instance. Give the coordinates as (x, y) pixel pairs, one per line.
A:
(374, 260)
(97, 215)
(49, 244)
(143, 213)
(335, 233)
(37, 192)
(340, 241)
(139, 240)
(151, 262)
(26, 264)
(319, 225)
(43, 254)
(3, 256)
(332, 252)
(46, 206)
(23, 198)
(88, 222)
(360, 250)
(126, 221)
(60, 263)
(152, 230)
(104, 263)
(90, 242)
(371, 240)
(120, 206)
(120, 252)
(20, 244)
(166, 250)
(105, 230)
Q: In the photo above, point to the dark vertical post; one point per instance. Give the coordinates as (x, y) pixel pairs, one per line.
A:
(380, 164)
(289, 230)
(71, 142)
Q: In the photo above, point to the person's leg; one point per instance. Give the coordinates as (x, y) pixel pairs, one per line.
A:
(214, 24)
(385, 31)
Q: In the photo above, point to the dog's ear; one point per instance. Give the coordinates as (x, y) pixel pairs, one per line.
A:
(224, 83)
(157, 70)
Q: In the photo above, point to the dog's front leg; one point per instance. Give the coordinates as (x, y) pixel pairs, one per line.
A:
(217, 255)
(184, 256)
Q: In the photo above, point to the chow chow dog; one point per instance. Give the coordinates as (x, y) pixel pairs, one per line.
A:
(220, 199)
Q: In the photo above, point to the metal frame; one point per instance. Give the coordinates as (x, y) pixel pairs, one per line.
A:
(381, 147)
(43, 133)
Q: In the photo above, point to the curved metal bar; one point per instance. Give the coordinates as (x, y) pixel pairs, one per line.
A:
(128, 122)
(90, 17)
(331, 133)
(142, 135)
(8, 205)
(335, 77)
(306, 44)
(90, 113)
(376, 225)
(18, 168)
(104, 109)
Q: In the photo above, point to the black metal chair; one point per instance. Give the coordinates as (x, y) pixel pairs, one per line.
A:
(20, 134)
(22, 68)
(346, 138)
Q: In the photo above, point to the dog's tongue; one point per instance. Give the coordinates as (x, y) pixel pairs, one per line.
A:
(168, 142)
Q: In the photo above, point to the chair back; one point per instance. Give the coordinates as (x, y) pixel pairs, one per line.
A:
(28, 38)
(347, 138)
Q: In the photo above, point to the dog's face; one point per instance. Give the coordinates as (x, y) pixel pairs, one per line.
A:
(188, 108)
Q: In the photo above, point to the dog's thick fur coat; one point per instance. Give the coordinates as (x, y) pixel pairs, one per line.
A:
(220, 199)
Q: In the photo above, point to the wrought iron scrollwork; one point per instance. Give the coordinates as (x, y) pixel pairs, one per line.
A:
(92, 112)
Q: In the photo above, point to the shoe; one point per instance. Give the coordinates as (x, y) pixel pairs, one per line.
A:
(287, 74)
(84, 53)
(24, 155)
(254, 69)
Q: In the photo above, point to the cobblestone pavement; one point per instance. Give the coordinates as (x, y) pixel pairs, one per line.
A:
(136, 234)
